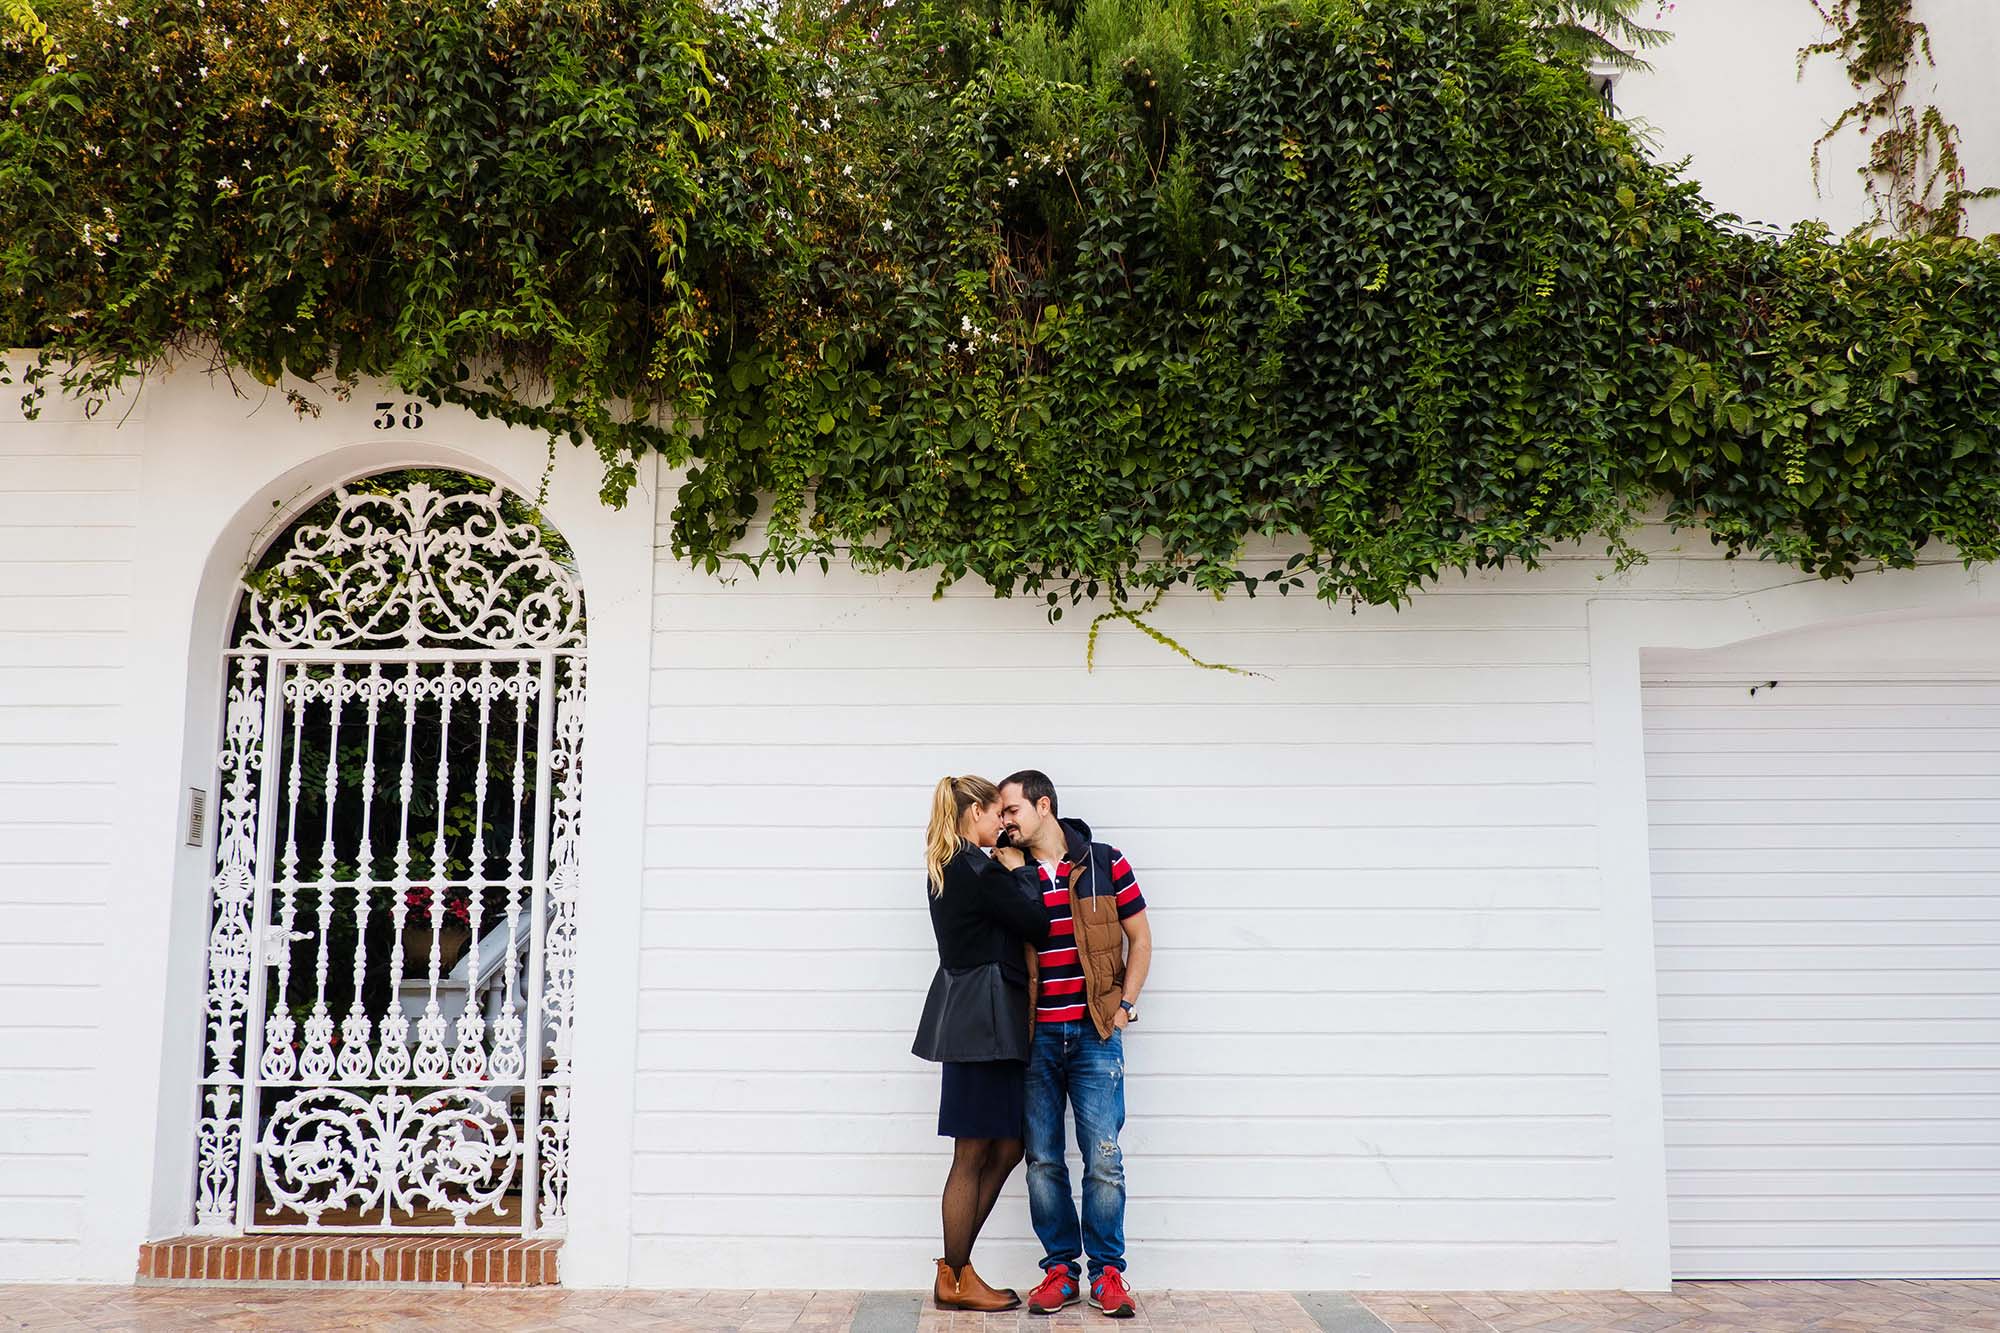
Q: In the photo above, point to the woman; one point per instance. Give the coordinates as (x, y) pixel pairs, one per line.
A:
(976, 1020)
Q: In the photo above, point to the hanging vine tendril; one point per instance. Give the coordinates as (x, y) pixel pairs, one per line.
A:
(1914, 173)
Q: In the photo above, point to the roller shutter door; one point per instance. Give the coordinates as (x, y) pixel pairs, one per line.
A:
(1826, 896)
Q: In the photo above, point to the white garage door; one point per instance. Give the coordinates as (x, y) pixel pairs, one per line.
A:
(1826, 885)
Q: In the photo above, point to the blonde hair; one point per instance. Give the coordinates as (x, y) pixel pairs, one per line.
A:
(949, 801)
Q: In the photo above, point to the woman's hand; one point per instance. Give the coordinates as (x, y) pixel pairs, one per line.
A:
(1011, 857)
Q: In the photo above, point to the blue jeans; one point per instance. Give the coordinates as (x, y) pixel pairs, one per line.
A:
(1071, 1062)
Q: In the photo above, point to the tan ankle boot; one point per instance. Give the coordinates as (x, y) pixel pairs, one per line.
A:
(945, 1290)
(974, 1294)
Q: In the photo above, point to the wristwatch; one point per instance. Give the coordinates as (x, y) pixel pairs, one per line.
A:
(1131, 1012)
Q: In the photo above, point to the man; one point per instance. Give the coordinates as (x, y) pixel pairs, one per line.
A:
(1086, 992)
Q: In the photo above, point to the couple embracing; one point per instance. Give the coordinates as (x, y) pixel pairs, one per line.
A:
(1043, 946)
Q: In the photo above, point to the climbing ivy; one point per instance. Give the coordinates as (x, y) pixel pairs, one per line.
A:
(1916, 180)
(1083, 298)
(502, 205)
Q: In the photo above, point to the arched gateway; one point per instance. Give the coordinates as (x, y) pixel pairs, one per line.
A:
(392, 929)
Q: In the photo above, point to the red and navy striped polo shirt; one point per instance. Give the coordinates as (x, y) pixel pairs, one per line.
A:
(1061, 998)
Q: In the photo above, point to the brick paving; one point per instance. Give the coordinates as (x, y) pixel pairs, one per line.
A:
(1704, 1307)
(1691, 1307)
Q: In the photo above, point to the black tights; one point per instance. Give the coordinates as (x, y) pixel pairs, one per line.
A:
(979, 1167)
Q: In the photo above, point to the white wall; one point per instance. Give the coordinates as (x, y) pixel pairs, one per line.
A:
(1375, 1050)
(1823, 877)
(1400, 1031)
(1727, 92)
(67, 492)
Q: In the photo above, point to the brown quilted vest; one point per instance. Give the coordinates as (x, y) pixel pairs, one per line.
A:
(1100, 947)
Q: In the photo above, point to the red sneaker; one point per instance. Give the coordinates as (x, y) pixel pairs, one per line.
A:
(1108, 1294)
(1058, 1289)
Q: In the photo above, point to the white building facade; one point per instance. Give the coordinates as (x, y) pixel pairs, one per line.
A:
(1565, 929)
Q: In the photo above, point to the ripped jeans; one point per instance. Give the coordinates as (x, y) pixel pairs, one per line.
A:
(1072, 1063)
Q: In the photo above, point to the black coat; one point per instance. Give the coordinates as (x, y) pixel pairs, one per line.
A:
(986, 912)
(978, 1008)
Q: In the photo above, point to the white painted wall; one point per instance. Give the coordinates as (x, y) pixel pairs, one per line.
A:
(1728, 93)
(1401, 1030)
(1823, 881)
(68, 491)
(1373, 1051)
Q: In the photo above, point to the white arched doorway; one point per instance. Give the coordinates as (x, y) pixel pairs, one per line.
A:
(391, 948)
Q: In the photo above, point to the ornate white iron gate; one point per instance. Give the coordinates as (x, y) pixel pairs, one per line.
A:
(391, 955)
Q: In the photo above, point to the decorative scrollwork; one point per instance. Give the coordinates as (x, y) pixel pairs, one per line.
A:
(371, 1158)
(321, 1150)
(554, 1146)
(217, 1139)
(460, 1153)
(417, 568)
(231, 942)
(559, 947)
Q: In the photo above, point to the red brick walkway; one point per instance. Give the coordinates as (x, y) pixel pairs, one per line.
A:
(1692, 1307)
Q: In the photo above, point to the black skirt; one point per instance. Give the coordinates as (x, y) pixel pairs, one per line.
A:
(985, 1099)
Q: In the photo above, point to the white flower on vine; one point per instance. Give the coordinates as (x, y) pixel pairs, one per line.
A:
(888, 225)
(124, 22)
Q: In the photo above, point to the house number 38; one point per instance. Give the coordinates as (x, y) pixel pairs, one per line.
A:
(412, 417)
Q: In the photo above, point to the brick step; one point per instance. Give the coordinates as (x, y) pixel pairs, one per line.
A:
(444, 1261)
